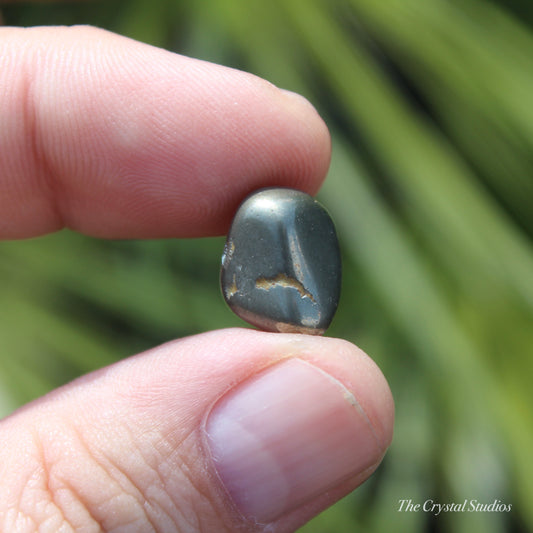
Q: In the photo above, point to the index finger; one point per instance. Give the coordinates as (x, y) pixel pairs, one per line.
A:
(119, 139)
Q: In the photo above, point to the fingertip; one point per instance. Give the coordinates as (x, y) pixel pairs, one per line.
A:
(234, 427)
(302, 432)
(127, 140)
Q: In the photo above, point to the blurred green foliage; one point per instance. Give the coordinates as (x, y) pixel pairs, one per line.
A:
(429, 104)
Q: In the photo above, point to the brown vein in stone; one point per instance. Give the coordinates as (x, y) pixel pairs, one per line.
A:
(282, 280)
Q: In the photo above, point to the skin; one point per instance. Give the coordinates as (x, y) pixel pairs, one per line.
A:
(117, 139)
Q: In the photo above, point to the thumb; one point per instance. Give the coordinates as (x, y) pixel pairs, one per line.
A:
(223, 431)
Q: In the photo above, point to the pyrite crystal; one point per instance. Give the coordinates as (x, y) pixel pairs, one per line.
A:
(281, 267)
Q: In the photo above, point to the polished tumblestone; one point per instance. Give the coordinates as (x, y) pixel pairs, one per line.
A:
(281, 268)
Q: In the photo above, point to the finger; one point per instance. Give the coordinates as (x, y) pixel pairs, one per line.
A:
(116, 138)
(218, 432)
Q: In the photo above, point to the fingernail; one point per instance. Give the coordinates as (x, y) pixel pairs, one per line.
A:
(286, 436)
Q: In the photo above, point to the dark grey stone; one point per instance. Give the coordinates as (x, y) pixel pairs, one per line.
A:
(281, 268)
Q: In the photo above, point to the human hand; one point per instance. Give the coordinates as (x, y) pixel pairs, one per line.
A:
(232, 430)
